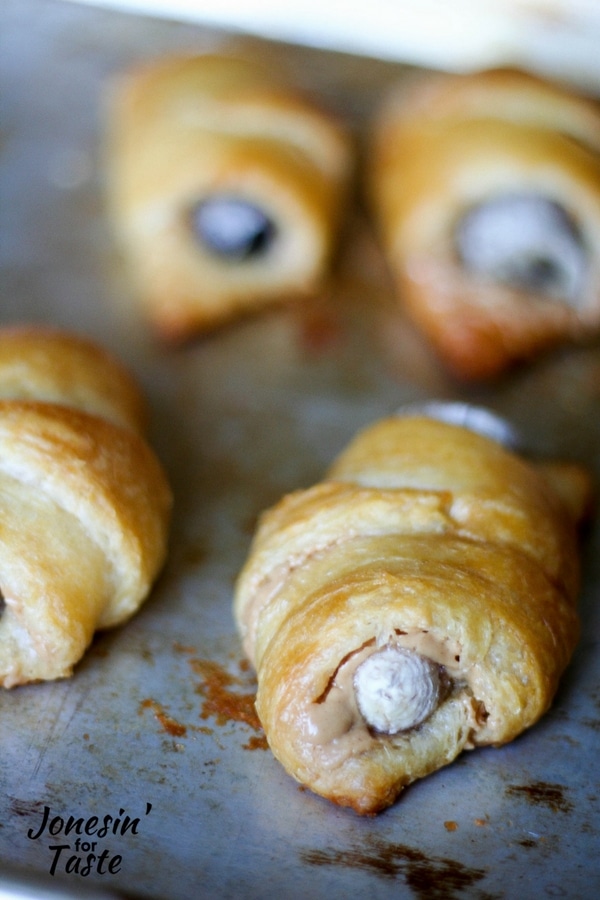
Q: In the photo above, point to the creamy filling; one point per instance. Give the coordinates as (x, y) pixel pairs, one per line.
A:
(525, 241)
(232, 228)
(384, 690)
(396, 689)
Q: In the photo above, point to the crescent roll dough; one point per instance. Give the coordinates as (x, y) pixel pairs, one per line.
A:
(227, 188)
(418, 602)
(85, 504)
(486, 190)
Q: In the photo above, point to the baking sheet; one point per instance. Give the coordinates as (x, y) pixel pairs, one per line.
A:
(157, 723)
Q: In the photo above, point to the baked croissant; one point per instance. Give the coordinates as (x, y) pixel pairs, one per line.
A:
(226, 186)
(85, 504)
(486, 192)
(418, 602)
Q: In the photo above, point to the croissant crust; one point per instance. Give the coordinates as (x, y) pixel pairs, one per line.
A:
(85, 502)
(186, 130)
(454, 144)
(424, 538)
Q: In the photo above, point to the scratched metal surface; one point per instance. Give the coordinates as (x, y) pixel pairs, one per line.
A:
(238, 419)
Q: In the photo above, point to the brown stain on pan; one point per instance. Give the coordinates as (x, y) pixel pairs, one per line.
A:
(222, 698)
(528, 843)
(25, 808)
(318, 329)
(256, 742)
(591, 723)
(429, 877)
(229, 698)
(170, 725)
(542, 793)
(226, 698)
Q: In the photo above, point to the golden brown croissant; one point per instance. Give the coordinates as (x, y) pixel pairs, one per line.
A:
(227, 188)
(486, 190)
(418, 602)
(85, 504)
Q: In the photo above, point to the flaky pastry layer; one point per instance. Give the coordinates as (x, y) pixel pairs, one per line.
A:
(85, 502)
(452, 144)
(426, 538)
(185, 130)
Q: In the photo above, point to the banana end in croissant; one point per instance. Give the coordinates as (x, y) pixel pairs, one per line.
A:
(226, 187)
(418, 602)
(486, 191)
(85, 502)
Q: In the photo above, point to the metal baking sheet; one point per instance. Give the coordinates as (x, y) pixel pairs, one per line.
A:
(156, 729)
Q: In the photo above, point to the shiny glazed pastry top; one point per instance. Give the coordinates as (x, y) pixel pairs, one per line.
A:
(85, 503)
(486, 190)
(419, 601)
(226, 186)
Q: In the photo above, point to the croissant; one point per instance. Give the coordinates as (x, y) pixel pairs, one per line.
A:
(85, 504)
(486, 193)
(226, 188)
(419, 601)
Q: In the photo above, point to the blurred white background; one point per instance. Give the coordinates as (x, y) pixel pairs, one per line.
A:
(557, 37)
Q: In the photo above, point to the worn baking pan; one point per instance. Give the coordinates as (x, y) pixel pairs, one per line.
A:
(155, 735)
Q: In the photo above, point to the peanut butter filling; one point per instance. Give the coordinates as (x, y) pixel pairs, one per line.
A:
(383, 690)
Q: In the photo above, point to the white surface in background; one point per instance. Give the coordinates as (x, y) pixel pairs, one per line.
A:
(554, 36)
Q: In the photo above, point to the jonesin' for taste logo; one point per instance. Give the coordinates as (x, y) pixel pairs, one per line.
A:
(79, 846)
